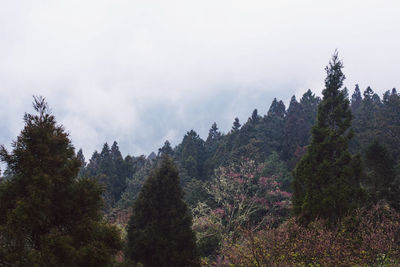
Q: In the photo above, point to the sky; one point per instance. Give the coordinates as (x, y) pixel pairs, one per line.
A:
(142, 72)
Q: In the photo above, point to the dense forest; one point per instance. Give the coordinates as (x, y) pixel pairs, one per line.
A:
(316, 183)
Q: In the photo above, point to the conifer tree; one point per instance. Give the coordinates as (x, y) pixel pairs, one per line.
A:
(274, 124)
(254, 116)
(356, 99)
(48, 217)
(295, 130)
(380, 169)
(236, 125)
(166, 150)
(191, 153)
(309, 103)
(213, 133)
(327, 179)
(159, 230)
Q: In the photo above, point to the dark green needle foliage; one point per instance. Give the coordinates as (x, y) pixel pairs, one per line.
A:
(380, 169)
(48, 217)
(159, 231)
(327, 179)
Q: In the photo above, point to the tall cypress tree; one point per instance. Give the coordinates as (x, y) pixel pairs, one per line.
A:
(159, 230)
(48, 217)
(327, 179)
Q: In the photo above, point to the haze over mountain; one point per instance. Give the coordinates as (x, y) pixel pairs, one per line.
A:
(141, 73)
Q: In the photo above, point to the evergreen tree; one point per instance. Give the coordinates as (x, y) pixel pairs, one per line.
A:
(159, 231)
(356, 99)
(254, 116)
(48, 217)
(236, 125)
(273, 128)
(365, 121)
(295, 131)
(111, 171)
(81, 157)
(388, 124)
(213, 133)
(166, 150)
(191, 153)
(327, 179)
(211, 146)
(310, 103)
(380, 168)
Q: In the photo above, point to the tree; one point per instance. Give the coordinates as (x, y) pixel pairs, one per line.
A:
(327, 179)
(159, 230)
(274, 124)
(191, 153)
(111, 170)
(254, 116)
(295, 131)
(240, 197)
(236, 125)
(309, 103)
(388, 123)
(356, 99)
(48, 217)
(213, 133)
(166, 150)
(381, 175)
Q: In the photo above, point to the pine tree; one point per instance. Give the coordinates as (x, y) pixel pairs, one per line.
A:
(236, 125)
(111, 170)
(254, 117)
(310, 103)
(295, 131)
(159, 230)
(213, 133)
(327, 179)
(274, 124)
(365, 121)
(356, 99)
(380, 182)
(48, 217)
(191, 153)
(166, 150)
(388, 124)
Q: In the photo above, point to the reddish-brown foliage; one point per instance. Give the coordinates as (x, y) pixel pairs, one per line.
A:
(367, 238)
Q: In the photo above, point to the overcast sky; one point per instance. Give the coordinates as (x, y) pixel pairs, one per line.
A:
(141, 72)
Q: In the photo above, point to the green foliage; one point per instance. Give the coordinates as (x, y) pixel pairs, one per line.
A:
(195, 192)
(48, 217)
(141, 169)
(380, 170)
(309, 102)
(273, 127)
(112, 171)
(388, 123)
(166, 150)
(274, 166)
(356, 100)
(327, 179)
(159, 231)
(236, 125)
(191, 154)
(296, 132)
